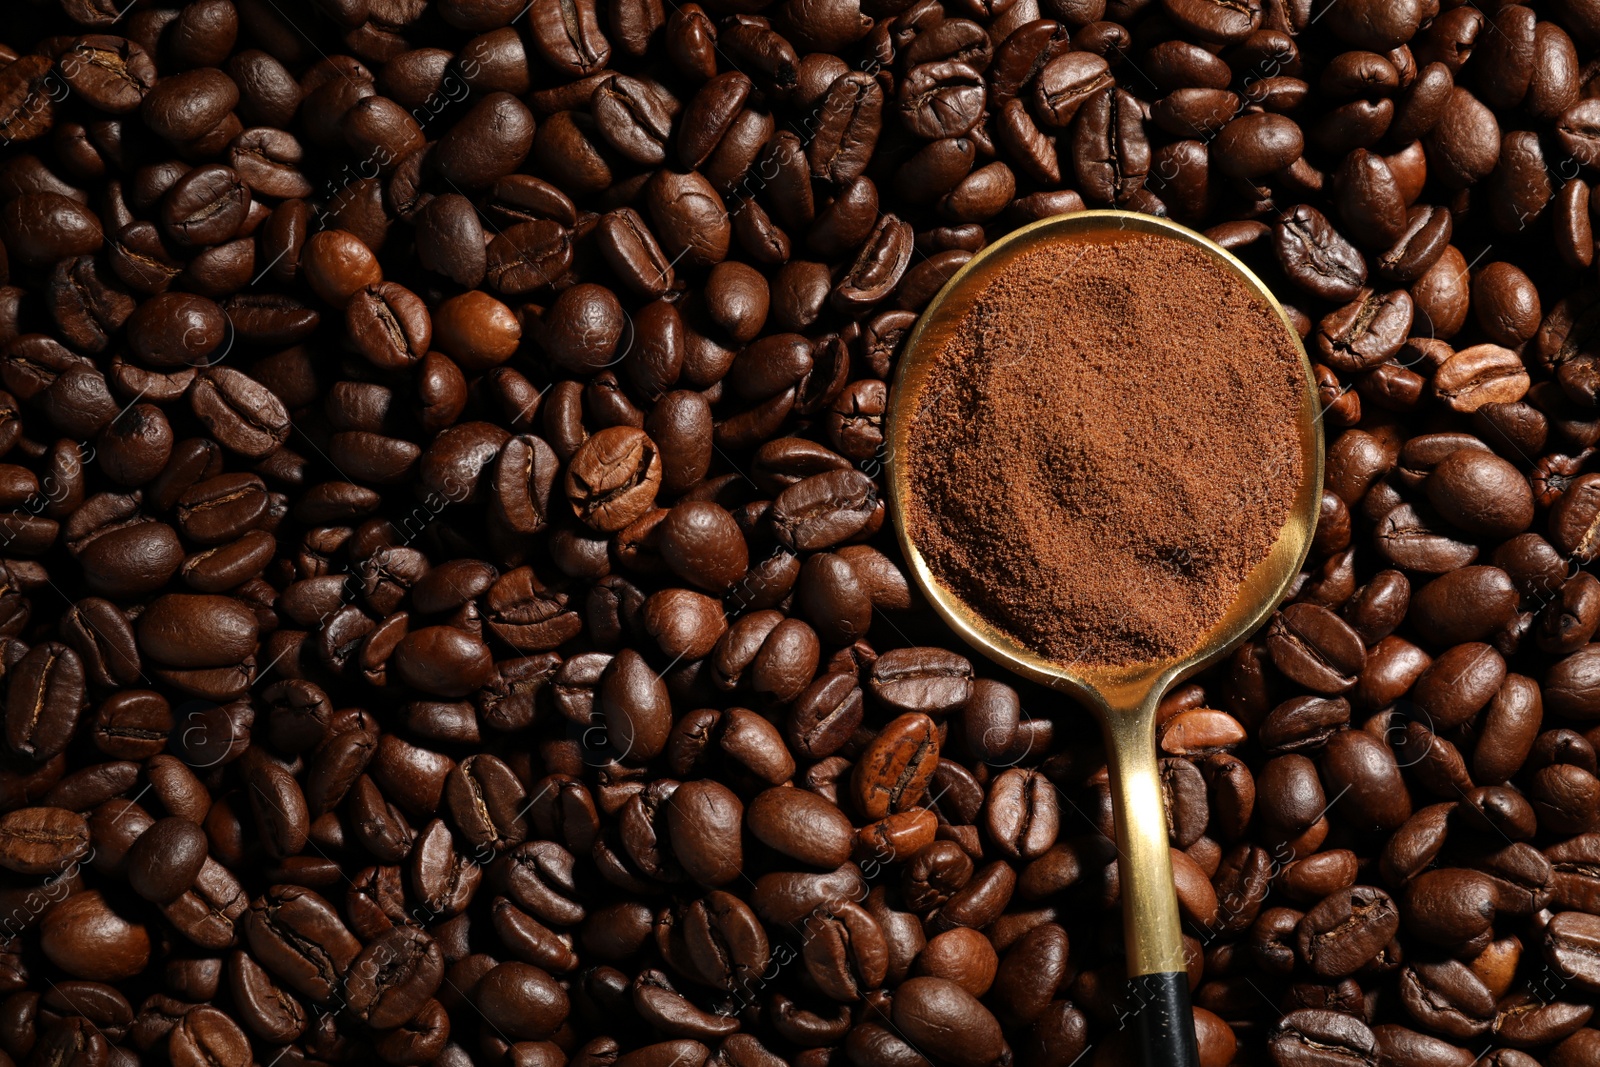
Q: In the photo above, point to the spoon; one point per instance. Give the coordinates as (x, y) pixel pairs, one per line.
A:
(1123, 698)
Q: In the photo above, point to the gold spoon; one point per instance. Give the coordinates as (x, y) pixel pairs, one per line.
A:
(1123, 698)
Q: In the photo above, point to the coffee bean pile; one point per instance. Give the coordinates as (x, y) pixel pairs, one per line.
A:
(447, 611)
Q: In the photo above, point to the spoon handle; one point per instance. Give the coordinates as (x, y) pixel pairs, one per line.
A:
(1159, 1011)
(1164, 1027)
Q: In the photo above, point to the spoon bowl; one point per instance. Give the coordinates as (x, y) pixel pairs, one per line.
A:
(1124, 698)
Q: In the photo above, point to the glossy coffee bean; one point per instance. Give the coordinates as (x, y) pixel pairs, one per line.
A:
(42, 840)
(165, 860)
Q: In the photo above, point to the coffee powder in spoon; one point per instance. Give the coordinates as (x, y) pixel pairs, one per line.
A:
(1107, 444)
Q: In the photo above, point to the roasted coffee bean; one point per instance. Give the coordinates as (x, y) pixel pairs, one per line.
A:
(1564, 624)
(165, 860)
(241, 413)
(823, 510)
(132, 724)
(1316, 648)
(1253, 146)
(1482, 494)
(1449, 906)
(1345, 930)
(27, 99)
(1022, 816)
(941, 99)
(188, 631)
(852, 121)
(267, 1011)
(893, 773)
(1363, 773)
(702, 544)
(296, 935)
(634, 703)
(488, 142)
(921, 679)
(1451, 690)
(690, 219)
(205, 207)
(117, 950)
(1065, 82)
(41, 227)
(44, 698)
(633, 253)
(1575, 520)
(1315, 1036)
(612, 480)
(1110, 149)
(878, 267)
(388, 325)
(205, 1035)
(801, 825)
(184, 106)
(1366, 331)
(1316, 257)
(527, 256)
(393, 977)
(824, 715)
(1304, 724)
(581, 329)
(42, 840)
(845, 953)
(936, 1009)
(633, 119)
(1436, 608)
(1420, 242)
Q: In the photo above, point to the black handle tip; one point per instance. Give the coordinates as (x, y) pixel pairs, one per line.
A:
(1163, 1022)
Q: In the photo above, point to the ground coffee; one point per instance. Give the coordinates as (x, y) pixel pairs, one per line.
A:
(1105, 447)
